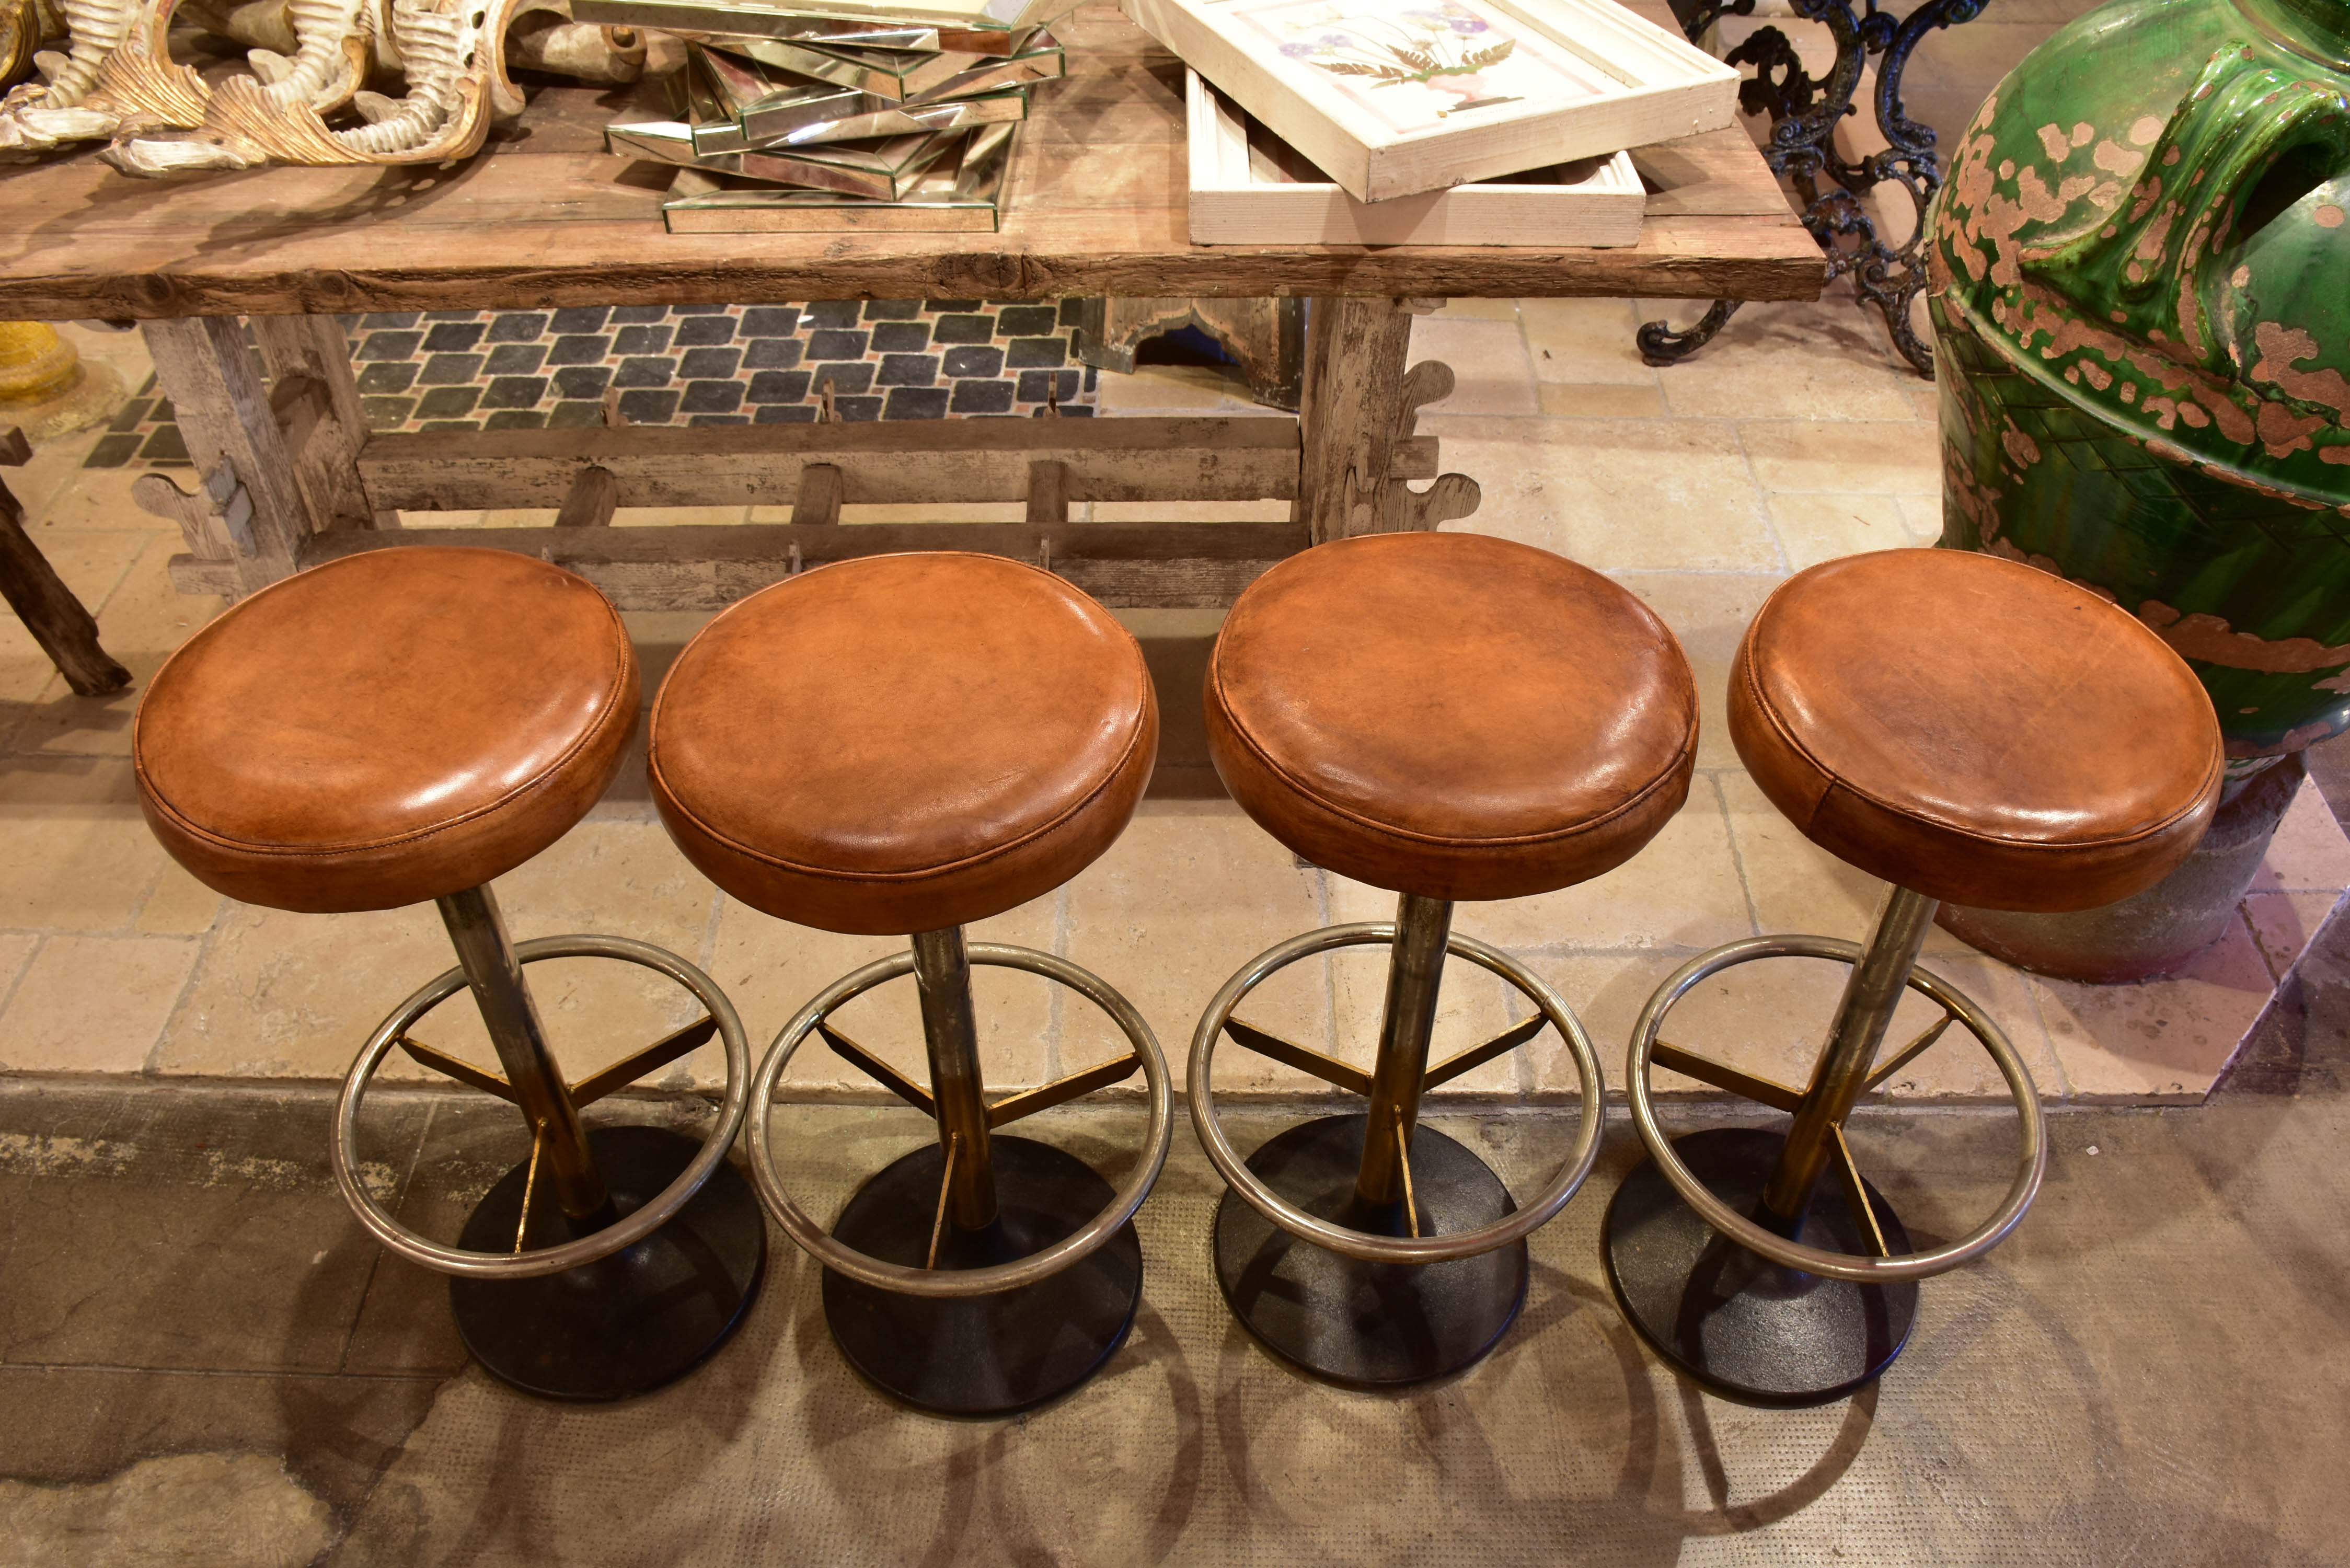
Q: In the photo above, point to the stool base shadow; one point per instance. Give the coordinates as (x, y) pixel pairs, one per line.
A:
(1370, 1325)
(631, 1323)
(991, 1354)
(1743, 1326)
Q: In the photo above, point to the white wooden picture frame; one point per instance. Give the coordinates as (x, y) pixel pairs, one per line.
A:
(1394, 97)
(1241, 195)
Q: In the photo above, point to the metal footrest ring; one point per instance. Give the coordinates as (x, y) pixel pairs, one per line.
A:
(847, 1261)
(625, 1232)
(1739, 1228)
(1361, 1244)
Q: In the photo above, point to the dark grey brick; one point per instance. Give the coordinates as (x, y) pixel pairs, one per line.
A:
(908, 369)
(514, 392)
(901, 337)
(112, 451)
(708, 364)
(1073, 312)
(582, 380)
(516, 360)
(974, 362)
(386, 413)
(639, 314)
(982, 397)
(771, 321)
(845, 379)
(133, 413)
(938, 305)
(640, 340)
(892, 309)
(574, 416)
(1034, 385)
(447, 402)
(518, 326)
(581, 350)
(375, 318)
(779, 387)
(647, 408)
(773, 353)
(433, 427)
(390, 344)
(384, 380)
(700, 329)
(915, 403)
(515, 419)
(858, 410)
(645, 372)
(163, 442)
(1072, 412)
(787, 414)
(586, 318)
(830, 312)
(448, 370)
(1036, 353)
(1026, 320)
(719, 420)
(712, 397)
(454, 336)
(949, 329)
(833, 343)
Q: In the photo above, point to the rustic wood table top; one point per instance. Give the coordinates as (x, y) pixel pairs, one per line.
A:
(545, 216)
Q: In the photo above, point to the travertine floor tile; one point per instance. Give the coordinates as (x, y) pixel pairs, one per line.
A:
(1816, 360)
(1491, 375)
(75, 855)
(1879, 457)
(1479, 310)
(1173, 389)
(88, 499)
(1601, 400)
(15, 952)
(1473, 1006)
(1708, 613)
(2157, 1040)
(179, 906)
(1615, 494)
(2283, 924)
(142, 622)
(1797, 887)
(91, 565)
(1922, 514)
(1189, 895)
(2309, 852)
(1586, 341)
(1681, 891)
(94, 1004)
(1815, 528)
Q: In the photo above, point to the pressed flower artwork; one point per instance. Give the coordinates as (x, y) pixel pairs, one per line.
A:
(1421, 64)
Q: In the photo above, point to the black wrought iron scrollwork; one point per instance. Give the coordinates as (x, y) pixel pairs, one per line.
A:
(1804, 111)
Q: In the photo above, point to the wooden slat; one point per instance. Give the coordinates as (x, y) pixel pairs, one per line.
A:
(594, 495)
(1098, 205)
(1241, 458)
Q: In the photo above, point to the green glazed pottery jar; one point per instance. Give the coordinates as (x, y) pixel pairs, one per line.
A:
(2141, 301)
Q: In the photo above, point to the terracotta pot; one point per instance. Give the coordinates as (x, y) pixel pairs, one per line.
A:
(2141, 276)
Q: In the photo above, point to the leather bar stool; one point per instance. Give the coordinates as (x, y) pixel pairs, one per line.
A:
(898, 745)
(1447, 716)
(406, 725)
(1966, 728)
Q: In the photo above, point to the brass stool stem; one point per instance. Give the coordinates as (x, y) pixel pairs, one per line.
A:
(1415, 976)
(485, 953)
(1871, 993)
(950, 1033)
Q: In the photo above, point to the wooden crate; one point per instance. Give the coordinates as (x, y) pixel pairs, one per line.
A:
(1250, 189)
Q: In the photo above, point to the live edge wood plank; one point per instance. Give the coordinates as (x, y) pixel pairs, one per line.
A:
(1169, 566)
(1099, 206)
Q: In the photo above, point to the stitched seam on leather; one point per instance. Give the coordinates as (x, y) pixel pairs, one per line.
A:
(417, 835)
(1835, 781)
(945, 867)
(1407, 834)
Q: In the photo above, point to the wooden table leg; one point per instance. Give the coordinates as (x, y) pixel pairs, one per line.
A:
(317, 405)
(1360, 404)
(57, 620)
(224, 416)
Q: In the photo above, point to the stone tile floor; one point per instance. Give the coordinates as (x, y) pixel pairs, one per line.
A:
(1795, 438)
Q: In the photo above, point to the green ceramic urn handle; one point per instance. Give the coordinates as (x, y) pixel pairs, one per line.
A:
(2154, 263)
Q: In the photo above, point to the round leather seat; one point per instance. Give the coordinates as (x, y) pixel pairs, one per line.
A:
(1976, 730)
(901, 743)
(386, 728)
(1451, 715)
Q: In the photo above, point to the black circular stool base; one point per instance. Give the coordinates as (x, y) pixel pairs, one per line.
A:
(625, 1325)
(991, 1354)
(1368, 1324)
(1738, 1323)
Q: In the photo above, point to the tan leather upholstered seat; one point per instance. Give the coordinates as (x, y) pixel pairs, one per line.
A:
(1976, 730)
(903, 742)
(386, 728)
(1451, 715)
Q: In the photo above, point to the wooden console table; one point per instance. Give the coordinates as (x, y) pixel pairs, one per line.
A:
(289, 474)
